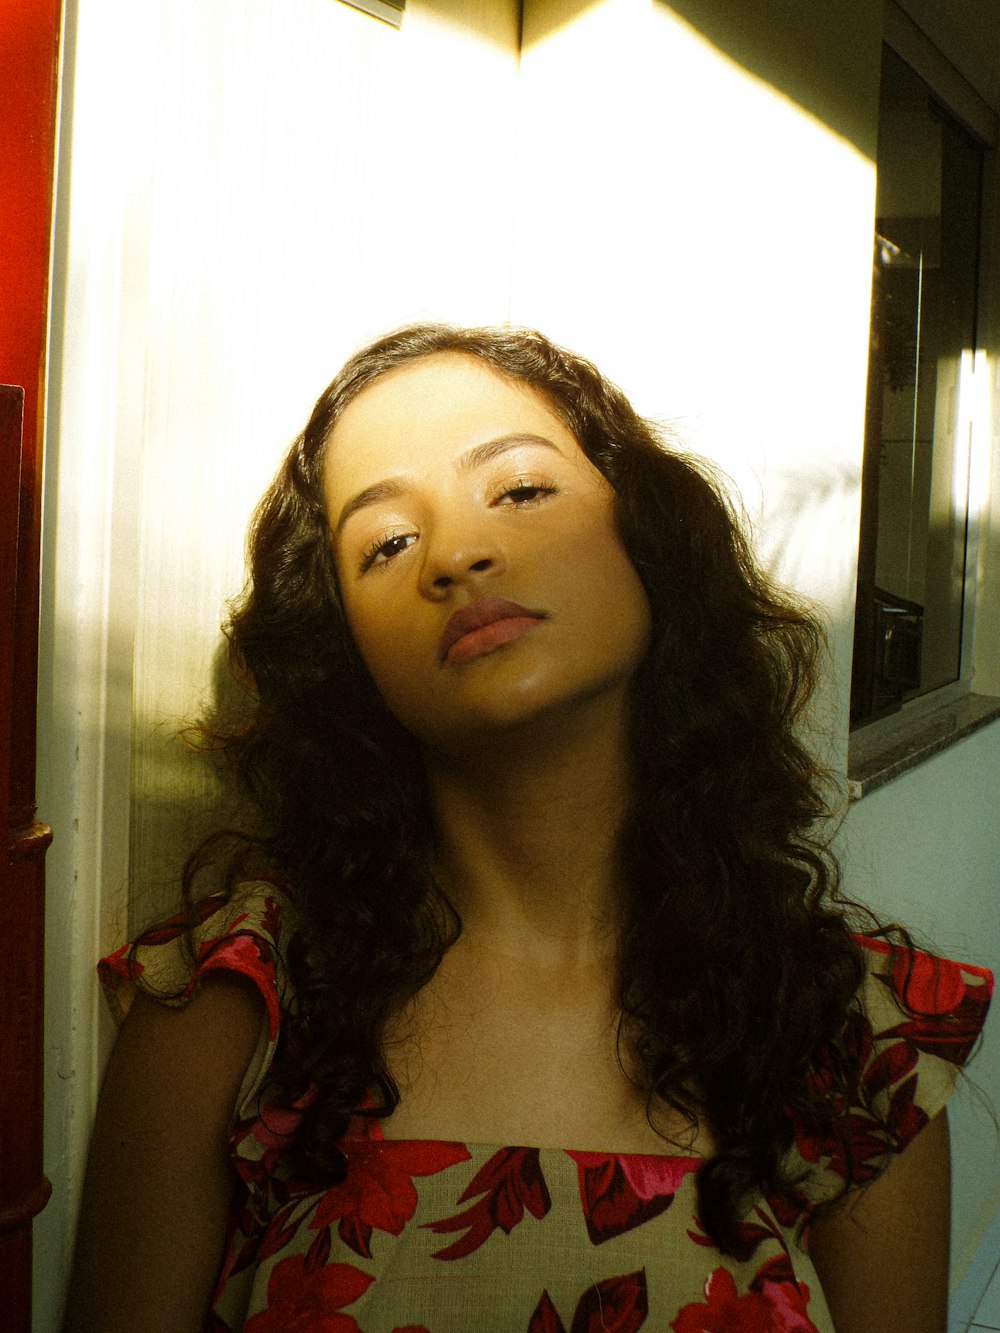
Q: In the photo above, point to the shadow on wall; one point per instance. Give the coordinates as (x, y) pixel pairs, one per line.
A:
(182, 792)
(783, 42)
(789, 45)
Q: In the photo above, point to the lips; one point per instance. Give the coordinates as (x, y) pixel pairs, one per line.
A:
(486, 624)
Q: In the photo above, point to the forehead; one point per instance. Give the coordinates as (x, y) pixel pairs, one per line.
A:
(429, 412)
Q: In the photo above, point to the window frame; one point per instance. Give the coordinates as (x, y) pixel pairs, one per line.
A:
(880, 749)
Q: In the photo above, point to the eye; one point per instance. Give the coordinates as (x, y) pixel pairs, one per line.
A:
(524, 492)
(386, 548)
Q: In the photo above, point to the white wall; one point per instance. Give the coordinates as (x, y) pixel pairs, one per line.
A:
(247, 191)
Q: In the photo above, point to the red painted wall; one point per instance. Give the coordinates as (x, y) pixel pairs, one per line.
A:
(29, 44)
(29, 41)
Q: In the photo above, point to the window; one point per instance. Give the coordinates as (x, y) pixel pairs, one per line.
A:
(914, 515)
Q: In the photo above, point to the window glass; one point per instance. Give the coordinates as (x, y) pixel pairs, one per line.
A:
(911, 573)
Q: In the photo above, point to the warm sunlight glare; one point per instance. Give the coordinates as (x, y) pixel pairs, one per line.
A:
(708, 242)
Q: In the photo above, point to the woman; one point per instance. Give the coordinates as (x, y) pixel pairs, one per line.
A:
(532, 978)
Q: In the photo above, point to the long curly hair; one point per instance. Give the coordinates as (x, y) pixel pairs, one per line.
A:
(738, 970)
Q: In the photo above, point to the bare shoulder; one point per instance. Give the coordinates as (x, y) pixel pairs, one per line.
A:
(159, 1183)
(882, 1254)
(207, 1041)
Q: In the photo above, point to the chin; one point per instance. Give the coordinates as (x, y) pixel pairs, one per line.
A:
(533, 718)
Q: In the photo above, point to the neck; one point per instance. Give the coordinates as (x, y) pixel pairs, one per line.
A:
(527, 838)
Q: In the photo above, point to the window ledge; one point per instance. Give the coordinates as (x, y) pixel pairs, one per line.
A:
(882, 752)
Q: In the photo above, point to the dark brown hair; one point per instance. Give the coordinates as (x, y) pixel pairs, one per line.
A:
(738, 968)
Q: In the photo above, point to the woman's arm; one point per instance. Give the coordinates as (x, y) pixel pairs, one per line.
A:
(159, 1183)
(882, 1254)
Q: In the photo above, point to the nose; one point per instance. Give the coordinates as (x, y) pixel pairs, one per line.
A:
(455, 558)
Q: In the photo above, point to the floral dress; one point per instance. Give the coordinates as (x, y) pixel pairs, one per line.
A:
(447, 1237)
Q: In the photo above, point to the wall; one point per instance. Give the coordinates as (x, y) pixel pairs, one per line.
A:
(925, 850)
(707, 190)
(683, 193)
(247, 191)
(713, 254)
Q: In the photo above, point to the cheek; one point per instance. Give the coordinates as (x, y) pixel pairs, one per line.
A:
(385, 645)
(367, 630)
(607, 579)
(629, 618)
(375, 643)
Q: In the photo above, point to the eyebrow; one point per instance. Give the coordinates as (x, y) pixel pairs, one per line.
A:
(480, 454)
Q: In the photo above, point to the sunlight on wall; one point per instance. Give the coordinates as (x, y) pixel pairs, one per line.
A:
(247, 190)
(977, 395)
(979, 387)
(315, 189)
(708, 243)
(984, 501)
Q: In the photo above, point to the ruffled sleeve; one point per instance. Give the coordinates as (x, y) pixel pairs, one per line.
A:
(918, 1019)
(240, 936)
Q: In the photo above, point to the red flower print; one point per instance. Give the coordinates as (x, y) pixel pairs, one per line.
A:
(281, 1230)
(616, 1305)
(268, 1136)
(510, 1182)
(893, 1063)
(240, 948)
(232, 930)
(927, 984)
(868, 1152)
(946, 1001)
(777, 1269)
(378, 1191)
(749, 1235)
(906, 1119)
(950, 1036)
(304, 1301)
(276, 1125)
(546, 1317)
(878, 1113)
(788, 1209)
(773, 1307)
(651, 1176)
(621, 1192)
(179, 923)
(247, 954)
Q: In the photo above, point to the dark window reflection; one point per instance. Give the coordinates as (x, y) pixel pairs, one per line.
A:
(911, 574)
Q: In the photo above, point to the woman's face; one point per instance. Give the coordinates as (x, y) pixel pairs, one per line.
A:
(475, 544)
